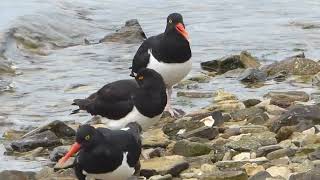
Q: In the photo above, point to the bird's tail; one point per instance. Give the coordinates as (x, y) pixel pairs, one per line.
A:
(82, 103)
(134, 128)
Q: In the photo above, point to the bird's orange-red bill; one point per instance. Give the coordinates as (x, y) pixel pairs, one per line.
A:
(180, 28)
(74, 149)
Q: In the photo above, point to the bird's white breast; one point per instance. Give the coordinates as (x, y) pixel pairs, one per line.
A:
(123, 172)
(172, 73)
(133, 116)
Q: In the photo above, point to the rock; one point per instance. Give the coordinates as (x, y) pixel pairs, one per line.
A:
(12, 134)
(294, 66)
(252, 75)
(190, 149)
(316, 79)
(68, 164)
(159, 177)
(286, 99)
(265, 138)
(285, 133)
(43, 139)
(262, 151)
(59, 128)
(241, 156)
(313, 174)
(49, 174)
(195, 94)
(226, 175)
(154, 138)
(58, 152)
(280, 153)
(200, 78)
(252, 129)
(252, 168)
(251, 102)
(224, 64)
(130, 33)
(173, 165)
(260, 176)
(31, 155)
(314, 155)
(253, 115)
(231, 132)
(282, 171)
(226, 102)
(202, 132)
(246, 143)
(299, 116)
(238, 164)
(17, 175)
(280, 76)
(208, 168)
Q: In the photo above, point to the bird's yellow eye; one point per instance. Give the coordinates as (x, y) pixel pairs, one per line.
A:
(87, 137)
(140, 77)
(170, 20)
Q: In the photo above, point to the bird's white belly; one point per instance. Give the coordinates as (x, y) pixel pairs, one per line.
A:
(172, 73)
(133, 116)
(123, 172)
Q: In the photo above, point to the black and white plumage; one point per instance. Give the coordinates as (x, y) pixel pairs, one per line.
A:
(168, 53)
(106, 154)
(141, 100)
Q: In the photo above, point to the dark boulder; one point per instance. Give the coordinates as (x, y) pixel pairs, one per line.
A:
(252, 75)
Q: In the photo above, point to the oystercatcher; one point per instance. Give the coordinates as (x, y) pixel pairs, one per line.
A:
(106, 154)
(141, 100)
(168, 53)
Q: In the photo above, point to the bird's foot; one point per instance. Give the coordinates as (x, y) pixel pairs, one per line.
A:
(173, 112)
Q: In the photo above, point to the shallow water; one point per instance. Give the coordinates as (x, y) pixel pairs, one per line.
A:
(46, 81)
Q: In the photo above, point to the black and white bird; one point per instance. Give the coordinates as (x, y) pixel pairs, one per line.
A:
(118, 103)
(106, 154)
(168, 53)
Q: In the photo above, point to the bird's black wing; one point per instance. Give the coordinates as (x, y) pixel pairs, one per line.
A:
(112, 100)
(141, 58)
(78, 170)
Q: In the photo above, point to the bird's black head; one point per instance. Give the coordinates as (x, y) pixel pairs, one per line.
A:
(86, 136)
(149, 78)
(175, 25)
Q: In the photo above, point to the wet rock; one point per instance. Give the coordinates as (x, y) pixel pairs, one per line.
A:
(281, 153)
(299, 117)
(58, 152)
(43, 139)
(197, 94)
(313, 174)
(316, 80)
(200, 78)
(173, 165)
(252, 168)
(159, 177)
(286, 99)
(281, 171)
(260, 176)
(202, 132)
(253, 115)
(49, 174)
(68, 164)
(294, 66)
(59, 128)
(252, 75)
(17, 175)
(130, 33)
(226, 175)
(184, 124)
(279, 77)
(262, 151)
(152, 153)
(251, 102)
(31, 155)
(225, 102)
(154, 138)
(190, 149)
(224, 64)
(246, 143)
(13, 134)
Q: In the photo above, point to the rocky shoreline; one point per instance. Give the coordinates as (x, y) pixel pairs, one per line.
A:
(273, 137)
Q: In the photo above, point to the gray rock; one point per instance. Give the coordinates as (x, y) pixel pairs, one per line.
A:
(239, 164)
(190, 149)
(222, 65)
(249, 114)
(280, 153)
(251, 102)
(231, 132)
(43, 139)
(58, 152)
(313, 174)
(59, 128)
(252, 75)
(186, 124)
(294, 65)
(262, 151)
(17, 175)
(194, 94)
(260, 176)
(173, 165)
(159, 177)
(314, 155)
(299, 116)
(202, 132)
(155, 138)
(246, 143)
(130, 33)
(226, 175)
(286, 99)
